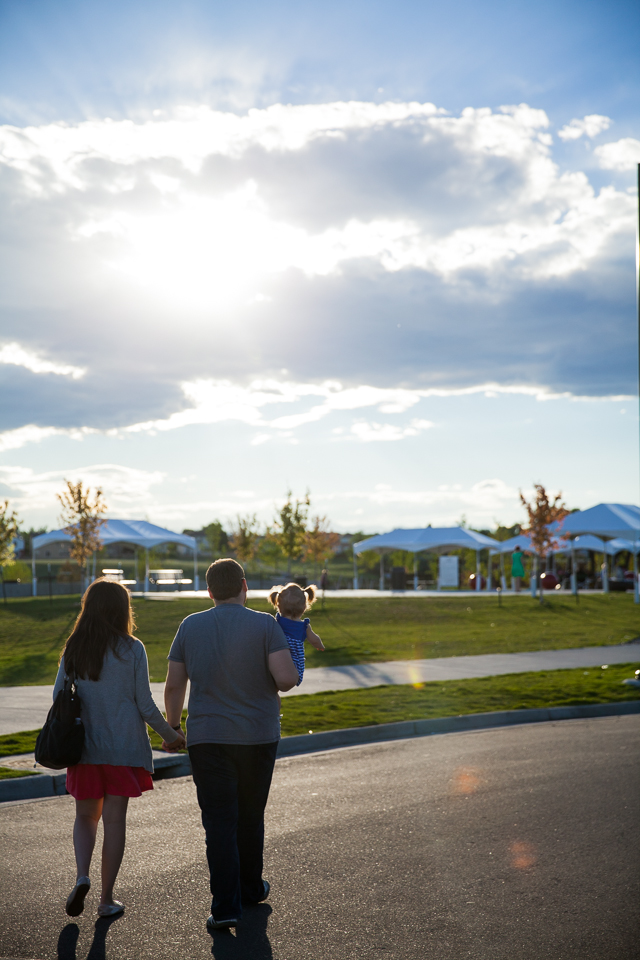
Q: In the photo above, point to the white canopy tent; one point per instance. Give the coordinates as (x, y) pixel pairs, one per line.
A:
(609, 521)
(427, 539)
(140, 533)
(584, 542)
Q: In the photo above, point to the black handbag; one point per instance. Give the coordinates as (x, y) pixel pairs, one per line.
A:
(61, 740)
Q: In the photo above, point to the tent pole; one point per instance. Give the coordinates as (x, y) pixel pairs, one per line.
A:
(415, 571)
(605, 570)
(503, 579)
(146, 569)
(478, 576)
(574, 578)
(34, 582)
(196, 580)
(489, 570)
(381, 584)
(534, 575)
(355, 570)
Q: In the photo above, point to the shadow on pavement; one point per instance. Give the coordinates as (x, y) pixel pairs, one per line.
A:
(68, 940)
(251, 938)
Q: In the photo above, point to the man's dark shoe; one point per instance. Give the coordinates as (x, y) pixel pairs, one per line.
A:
(266, 888)
(221, 924)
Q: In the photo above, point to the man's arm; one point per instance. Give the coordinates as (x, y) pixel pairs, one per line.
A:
(283, 670)
(175, 689)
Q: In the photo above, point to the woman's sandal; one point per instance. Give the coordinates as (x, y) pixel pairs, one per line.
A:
(110, 909)
(75, 900)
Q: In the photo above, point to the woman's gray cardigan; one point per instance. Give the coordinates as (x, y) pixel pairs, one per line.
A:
(116, 708)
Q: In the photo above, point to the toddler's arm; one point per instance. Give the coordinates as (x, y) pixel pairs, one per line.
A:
(314, 639)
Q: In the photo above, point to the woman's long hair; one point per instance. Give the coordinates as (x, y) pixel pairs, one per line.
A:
(104, 621)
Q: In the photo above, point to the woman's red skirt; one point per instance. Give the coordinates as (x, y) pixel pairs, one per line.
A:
(91, 781)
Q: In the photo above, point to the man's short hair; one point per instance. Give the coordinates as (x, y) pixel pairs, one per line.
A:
(224, 579)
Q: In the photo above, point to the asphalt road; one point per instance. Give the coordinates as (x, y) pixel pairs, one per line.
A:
(509, 844)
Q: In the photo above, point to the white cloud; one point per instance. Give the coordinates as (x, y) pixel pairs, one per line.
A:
(127, 490)
(221, 401)
(367, 432)
(482, 503)
(18, 356)
(199, 243)
(589, 126)
(620, 155)
(14, 439)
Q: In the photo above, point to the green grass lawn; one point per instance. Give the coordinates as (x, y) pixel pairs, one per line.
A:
(386, 704)
(7, 774)
(32, 632)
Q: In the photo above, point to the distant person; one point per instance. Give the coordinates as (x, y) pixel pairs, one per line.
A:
(292, 602)
(236, 660)
(112, 675)
(517, 569)
(324, 580)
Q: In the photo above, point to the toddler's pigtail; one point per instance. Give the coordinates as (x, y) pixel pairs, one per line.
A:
(311, 594)
(273, 596)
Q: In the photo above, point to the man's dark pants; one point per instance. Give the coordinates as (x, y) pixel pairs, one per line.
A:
(232, 783)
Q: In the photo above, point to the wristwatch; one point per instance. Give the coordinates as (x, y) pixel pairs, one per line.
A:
(179, 727)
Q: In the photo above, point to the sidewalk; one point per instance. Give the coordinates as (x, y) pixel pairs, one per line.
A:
(25, 708)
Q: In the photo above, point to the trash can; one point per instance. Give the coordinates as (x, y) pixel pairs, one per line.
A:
(398, 578)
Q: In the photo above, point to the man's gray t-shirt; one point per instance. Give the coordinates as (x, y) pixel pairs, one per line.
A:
(233, 696)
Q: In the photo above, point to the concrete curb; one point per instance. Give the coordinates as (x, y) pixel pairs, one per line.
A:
(169, 766)
(53, 784)
(358, 736)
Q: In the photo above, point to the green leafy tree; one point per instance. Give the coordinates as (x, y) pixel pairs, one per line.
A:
(216, 537)
(319, 542)
(244, 537)
(8, 533)
(290, 527)
(81, 517)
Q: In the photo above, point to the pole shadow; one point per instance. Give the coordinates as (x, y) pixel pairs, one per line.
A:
(251, 938)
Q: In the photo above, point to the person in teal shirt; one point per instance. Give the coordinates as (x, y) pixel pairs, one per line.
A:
(517, 569)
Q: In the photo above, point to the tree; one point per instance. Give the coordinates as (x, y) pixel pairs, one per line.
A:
(8, 533)
(542, 514)
(82, 520)
(216, 538)
(319, 543)
(290, 527)
(244, 537)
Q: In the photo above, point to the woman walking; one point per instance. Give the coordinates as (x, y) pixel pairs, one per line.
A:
(110, 669)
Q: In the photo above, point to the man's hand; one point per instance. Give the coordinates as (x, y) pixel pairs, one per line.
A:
(174, 745)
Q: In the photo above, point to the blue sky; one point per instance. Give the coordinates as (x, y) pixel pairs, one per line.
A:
(381, 251)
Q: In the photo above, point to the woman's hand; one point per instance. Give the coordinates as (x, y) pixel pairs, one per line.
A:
(174, 745)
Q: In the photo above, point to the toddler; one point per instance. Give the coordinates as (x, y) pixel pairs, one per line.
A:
(291, 602)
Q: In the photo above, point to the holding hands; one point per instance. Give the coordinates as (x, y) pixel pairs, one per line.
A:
(172, 746)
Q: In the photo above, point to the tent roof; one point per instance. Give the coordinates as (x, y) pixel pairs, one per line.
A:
(139, 532)
(508, 546)
(608, 520)
(427, 538)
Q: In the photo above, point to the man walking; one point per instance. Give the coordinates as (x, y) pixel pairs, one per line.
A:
(237, 660)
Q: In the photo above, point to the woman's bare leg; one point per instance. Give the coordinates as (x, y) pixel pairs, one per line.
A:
(114, 821)
(84, 833)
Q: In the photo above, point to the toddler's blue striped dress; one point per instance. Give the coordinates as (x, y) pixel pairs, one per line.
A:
(295, 631)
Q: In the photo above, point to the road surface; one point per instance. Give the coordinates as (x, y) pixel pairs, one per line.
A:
(519, 842)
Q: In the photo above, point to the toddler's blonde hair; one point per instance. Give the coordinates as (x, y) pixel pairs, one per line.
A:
(292, 601)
